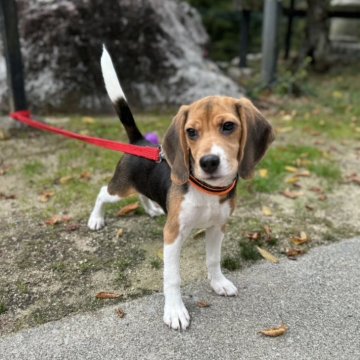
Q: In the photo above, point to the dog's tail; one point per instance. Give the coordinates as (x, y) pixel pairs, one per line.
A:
(118, 98)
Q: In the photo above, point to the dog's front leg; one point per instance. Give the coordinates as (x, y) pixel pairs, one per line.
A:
(176, 315)
(220, 284)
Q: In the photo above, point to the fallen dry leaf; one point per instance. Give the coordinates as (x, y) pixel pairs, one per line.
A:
(128, 209)
(291, 169)
(58, 219)
(353, 178)
(316, 190)
(309, 207)
(268, 232)
(266, 211)
(276, 331)
(65, 179)
(107, 295)
(287, 117)
(303, 173)
(66, 218)
(86, 175)
(292, 194)
(267, 255)
(283, 130)
(54, 220)
(303, 162)
(88, 120)
(254, 236)
(293, 253)
(4, 169)
(322, 196)
(7, 197)
(119, 233)
(202, 304)
(72, 227)
(120, 313)
(263, 173)
(46, 195)
(300, 240)
(292, 180)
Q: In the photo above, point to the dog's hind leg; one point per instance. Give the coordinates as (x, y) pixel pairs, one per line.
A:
(97, 220)
(151, 207)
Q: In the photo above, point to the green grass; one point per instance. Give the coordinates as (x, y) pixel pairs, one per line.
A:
(122, 264)
(156, 263)
(77, 157)
(333, 109)
(329, 105)
(326, 170)
(278, 158)
(3, 308)
(22, 287)
(33, 168)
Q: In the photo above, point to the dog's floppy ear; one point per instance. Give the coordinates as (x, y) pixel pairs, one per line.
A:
(176, 149)
(257, 135)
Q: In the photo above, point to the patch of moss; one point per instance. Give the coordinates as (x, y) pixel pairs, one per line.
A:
(156, 263)
(22, 287)
(122, 264)
(248, 250)
(58, 267)
(3, 308)
(231, 263)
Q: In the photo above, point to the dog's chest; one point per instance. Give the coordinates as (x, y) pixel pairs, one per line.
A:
(199, 210)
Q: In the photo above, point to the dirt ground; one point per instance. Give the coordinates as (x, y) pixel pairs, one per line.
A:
(50, 271)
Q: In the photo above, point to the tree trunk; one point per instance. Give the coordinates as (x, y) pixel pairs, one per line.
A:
(317, 31)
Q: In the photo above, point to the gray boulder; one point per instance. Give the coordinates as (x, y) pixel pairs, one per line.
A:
(157, 47)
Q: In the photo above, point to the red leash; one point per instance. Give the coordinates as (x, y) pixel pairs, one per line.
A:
(147, 152)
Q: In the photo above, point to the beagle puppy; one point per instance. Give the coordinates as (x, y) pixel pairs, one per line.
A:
(209, 145)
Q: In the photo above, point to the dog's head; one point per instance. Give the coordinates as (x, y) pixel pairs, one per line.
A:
(216, 138)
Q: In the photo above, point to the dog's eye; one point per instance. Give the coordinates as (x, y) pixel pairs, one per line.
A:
(192, 133)
(227, 128)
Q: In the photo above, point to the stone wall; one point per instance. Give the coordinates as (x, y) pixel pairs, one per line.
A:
(157, 47)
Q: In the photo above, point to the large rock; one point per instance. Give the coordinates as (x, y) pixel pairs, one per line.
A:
(157, 47)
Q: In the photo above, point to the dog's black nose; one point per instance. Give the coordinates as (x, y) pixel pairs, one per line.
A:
(209, 163)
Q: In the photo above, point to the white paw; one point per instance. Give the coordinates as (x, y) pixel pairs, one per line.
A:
(224, 287)
(176, 316)
(96, 222)
(158, 211)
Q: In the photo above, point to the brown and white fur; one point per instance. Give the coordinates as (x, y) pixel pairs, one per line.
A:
(216, 139)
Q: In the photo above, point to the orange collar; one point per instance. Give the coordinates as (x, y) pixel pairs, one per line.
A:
(212, 190)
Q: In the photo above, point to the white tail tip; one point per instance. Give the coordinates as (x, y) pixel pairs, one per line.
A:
(111, 80)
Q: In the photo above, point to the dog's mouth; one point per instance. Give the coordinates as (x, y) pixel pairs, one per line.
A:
(216, 179)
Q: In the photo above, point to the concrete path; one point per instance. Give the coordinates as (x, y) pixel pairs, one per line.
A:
(317, 296)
